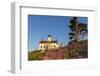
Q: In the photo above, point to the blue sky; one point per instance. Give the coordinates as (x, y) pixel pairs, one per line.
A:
(40, 26)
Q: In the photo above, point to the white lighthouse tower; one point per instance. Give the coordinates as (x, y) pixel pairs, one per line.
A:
(49, 38)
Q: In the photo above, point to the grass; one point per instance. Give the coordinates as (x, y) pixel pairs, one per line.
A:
(35, 55)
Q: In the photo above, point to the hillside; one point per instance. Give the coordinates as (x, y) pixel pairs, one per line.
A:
(74, 50)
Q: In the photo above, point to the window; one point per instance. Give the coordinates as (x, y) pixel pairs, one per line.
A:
(54, 46)
(41, 46)
(44, 46)
(51, 46)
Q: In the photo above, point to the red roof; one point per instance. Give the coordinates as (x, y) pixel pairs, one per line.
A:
(48, 42)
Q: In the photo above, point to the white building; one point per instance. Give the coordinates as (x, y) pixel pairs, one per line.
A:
(48, 44)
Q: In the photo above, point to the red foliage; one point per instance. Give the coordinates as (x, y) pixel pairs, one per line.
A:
(70, 51)
(55, 54)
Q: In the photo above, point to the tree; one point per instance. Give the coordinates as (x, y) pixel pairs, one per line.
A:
(77, 29)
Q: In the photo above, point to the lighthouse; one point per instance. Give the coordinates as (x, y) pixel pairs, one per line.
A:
(49, 38)
(48, 44)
